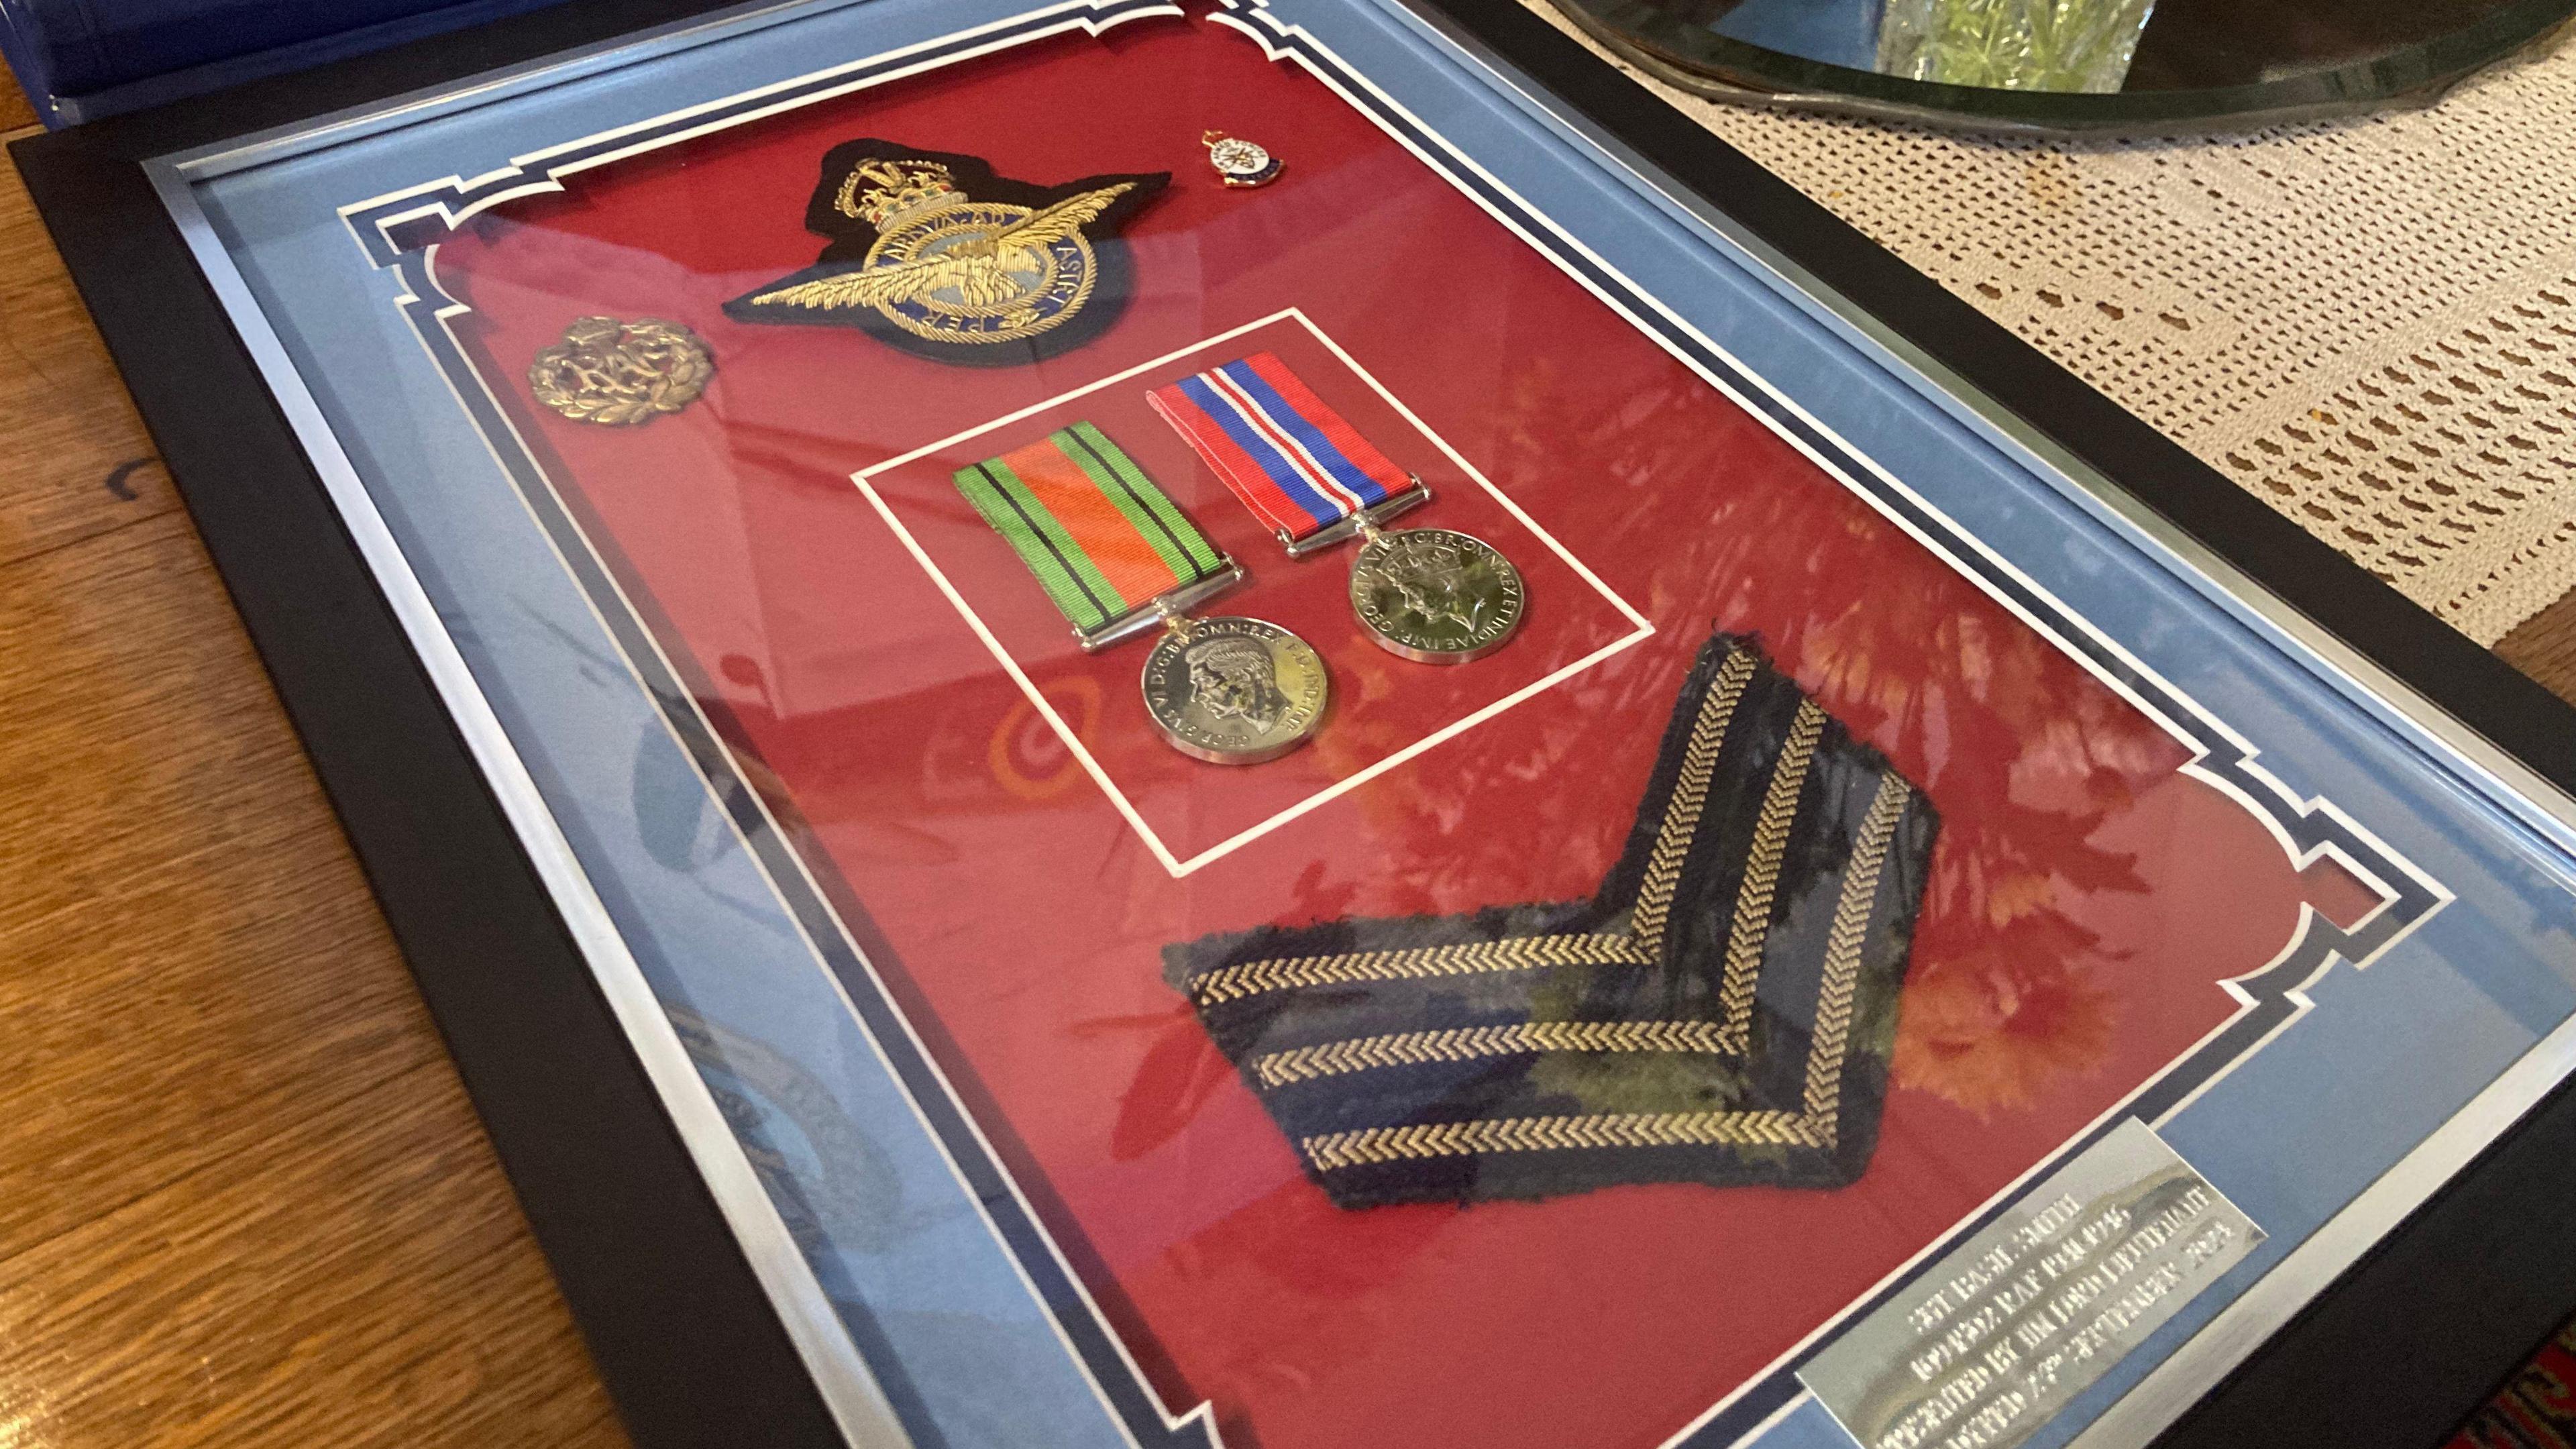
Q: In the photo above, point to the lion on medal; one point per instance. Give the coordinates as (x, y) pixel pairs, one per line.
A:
(1430, 577)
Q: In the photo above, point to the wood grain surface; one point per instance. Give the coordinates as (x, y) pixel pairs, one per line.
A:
(243, 1199)
(2544, 646)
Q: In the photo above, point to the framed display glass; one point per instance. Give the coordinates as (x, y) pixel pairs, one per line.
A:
(2098, 65)
(1254, 738)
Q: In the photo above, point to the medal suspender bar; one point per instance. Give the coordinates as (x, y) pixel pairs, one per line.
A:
(1119, 559)
(1431, 595)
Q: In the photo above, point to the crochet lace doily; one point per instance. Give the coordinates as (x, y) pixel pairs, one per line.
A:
(2368, 323)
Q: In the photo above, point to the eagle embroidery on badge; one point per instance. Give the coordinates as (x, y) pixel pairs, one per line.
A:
(934, 254)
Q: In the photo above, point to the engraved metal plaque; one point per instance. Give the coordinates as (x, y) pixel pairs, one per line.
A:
(1985, 1348)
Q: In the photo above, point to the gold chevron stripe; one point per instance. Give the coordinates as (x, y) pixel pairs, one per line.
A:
(1762, 862)
(1640, 945)
(1818, 1126)
(1690, 797)
(1842, 954)
(1469, 1043)
(1519, 953)
(1334, 1150)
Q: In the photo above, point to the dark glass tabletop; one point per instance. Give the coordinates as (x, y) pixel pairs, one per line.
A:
(2071, 64)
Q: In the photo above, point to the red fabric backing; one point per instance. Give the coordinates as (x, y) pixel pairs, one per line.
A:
(2086, 896)
(2537, 1410)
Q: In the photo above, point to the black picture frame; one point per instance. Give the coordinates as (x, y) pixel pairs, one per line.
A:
(2403, 1345)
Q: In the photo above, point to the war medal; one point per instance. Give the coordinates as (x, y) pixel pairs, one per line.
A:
(1119, 560)
(934, 254)
(1429, 594)
(1239, 162)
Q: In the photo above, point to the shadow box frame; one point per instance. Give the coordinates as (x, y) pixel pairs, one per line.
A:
(2423, 1305)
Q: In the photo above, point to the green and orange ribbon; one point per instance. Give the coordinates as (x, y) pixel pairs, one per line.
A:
(1102, 540)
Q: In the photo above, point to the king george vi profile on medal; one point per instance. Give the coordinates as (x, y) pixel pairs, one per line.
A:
(1234, 691)
(1233, 678)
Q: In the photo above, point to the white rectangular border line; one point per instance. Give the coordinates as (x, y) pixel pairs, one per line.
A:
(1090, 765)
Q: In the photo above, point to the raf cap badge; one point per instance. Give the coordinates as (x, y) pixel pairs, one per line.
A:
(936, 255)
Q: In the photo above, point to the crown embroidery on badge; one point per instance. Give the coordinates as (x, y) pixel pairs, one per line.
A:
(937, 255)
(894, 188)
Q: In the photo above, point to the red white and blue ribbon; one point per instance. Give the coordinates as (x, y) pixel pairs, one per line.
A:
(1292, 460)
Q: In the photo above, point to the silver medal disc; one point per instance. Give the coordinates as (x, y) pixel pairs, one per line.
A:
(1436, 596)
(1234, 691)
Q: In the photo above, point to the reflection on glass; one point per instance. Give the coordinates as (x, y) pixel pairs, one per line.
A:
(1838, 32)
(2043, 45)
(2069, 64)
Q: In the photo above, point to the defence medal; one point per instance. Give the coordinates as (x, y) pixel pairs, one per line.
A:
(934, 254)
(1429, 594)
(1239, 162)
(1119, 560)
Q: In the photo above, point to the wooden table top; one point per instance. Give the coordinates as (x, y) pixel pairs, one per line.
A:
(243, 1198)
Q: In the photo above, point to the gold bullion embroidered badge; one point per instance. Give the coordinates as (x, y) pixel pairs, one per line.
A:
(935, 254)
